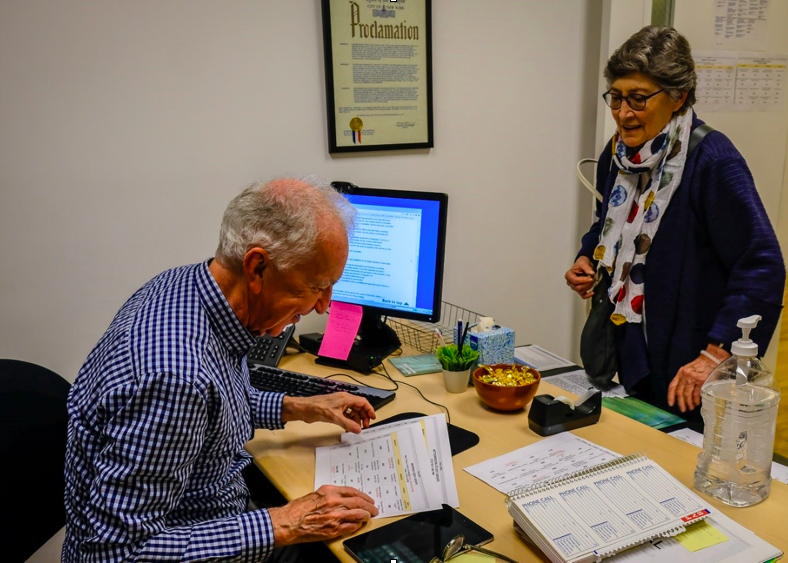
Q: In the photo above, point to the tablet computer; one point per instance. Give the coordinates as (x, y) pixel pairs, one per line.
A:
(415, 539)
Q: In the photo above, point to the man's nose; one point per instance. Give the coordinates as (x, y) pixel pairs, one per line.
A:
(323, 301)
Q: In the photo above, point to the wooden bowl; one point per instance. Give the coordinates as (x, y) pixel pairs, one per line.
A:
(501, 397)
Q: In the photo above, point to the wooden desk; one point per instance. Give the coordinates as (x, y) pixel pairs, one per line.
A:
(288, 456)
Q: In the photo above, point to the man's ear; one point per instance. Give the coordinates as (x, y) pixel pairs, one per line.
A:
(256, 262)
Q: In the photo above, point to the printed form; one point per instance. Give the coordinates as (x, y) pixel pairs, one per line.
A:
(577, 382)
(436, 438)
(539, 358)
(396, 465)
(551, 457)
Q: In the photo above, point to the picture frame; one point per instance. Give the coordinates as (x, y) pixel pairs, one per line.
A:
(378, 68)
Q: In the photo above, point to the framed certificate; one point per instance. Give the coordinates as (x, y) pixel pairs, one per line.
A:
(378, 57)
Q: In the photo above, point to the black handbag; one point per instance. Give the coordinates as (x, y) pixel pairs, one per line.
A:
(598, 349)
(598, 340)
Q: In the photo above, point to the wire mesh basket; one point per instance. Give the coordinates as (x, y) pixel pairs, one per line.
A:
(421, 335)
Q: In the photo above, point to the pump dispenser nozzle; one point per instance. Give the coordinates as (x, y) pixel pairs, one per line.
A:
(744, 346)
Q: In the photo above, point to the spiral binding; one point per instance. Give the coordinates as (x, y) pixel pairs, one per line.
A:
(666, 534)
(537, 488)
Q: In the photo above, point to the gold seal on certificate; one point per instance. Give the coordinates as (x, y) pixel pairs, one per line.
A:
(355, 126)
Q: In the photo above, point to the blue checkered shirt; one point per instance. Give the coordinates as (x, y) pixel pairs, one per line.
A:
(159, 415)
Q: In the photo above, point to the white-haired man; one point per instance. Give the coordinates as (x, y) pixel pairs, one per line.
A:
(162, 407)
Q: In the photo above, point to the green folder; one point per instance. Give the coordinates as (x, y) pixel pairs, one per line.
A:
(642, 412)
(416, 365)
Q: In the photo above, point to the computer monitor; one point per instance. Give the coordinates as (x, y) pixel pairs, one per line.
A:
(395, 260)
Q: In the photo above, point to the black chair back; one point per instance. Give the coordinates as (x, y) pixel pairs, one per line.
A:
(33, 422)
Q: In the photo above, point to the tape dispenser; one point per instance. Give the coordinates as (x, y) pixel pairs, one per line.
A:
(550, 415)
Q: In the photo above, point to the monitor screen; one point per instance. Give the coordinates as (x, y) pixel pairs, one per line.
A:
(395, 260)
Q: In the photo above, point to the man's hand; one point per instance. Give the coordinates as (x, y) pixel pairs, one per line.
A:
(685, 387)
(343, 409)
(580, 277)
(325, 514)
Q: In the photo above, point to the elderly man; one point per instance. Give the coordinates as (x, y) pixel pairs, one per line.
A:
(162, 407)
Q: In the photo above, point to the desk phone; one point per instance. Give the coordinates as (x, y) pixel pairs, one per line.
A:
(268, 350)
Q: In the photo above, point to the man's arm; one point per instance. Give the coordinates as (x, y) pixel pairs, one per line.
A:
(272, 410)
(266, 409)
(152, 442)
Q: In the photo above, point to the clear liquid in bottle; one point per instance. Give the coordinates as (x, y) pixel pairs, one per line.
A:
(739, 407)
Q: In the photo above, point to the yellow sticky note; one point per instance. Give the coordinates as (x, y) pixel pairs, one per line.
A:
(473, 557)
(701, 535)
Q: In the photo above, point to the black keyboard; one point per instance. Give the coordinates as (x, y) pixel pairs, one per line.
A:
(267, 378)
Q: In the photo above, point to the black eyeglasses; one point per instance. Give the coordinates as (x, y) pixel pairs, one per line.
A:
(635, 102)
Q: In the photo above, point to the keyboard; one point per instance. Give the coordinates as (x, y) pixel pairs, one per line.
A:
(268, 378)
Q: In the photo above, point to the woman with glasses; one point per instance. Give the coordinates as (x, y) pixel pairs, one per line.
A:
(683, 235)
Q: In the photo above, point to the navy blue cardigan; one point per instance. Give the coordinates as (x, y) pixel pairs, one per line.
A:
(714, 260)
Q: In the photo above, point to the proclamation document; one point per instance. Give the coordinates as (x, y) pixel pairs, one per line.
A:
(377, 74)
(392, 468)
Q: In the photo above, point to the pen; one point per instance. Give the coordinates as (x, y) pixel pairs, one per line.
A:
(464, 334)
(440, 337)
(459, 334)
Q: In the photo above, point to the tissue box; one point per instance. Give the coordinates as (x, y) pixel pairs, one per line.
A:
(495, 346)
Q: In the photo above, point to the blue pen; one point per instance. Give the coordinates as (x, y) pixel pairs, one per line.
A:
(459, 335)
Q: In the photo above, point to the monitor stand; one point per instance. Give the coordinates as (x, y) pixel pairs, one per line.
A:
(375, 341)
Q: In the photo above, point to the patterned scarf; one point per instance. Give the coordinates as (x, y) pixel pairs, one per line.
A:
(631, 223)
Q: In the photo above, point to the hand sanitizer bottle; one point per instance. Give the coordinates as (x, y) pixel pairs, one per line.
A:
(739, 407)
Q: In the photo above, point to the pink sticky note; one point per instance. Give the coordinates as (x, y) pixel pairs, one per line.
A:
(341, 330)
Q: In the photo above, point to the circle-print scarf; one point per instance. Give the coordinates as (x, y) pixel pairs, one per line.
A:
(632, 221)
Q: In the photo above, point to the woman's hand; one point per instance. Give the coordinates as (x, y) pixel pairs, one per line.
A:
(685, 387)
(580, 277)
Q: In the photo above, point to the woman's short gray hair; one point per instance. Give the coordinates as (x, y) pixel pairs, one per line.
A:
(286, 217)
(661, 53)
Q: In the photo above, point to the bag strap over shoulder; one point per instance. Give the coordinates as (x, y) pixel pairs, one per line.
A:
(697, 136)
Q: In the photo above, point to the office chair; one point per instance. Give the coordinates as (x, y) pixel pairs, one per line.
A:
(33, 421)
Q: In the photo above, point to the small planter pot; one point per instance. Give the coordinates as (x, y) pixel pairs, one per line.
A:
(456, 381)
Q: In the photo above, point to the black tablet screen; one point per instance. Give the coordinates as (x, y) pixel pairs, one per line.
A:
(417, 538)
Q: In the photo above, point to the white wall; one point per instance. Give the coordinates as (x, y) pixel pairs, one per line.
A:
(127, 126)
(620, 19)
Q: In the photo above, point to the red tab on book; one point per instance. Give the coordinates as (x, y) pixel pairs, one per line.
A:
(695, 515)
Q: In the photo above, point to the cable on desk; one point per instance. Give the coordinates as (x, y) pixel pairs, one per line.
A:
(448, 414)
(340, 374)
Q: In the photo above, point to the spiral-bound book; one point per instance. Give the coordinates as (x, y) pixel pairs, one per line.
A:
(597, 512)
